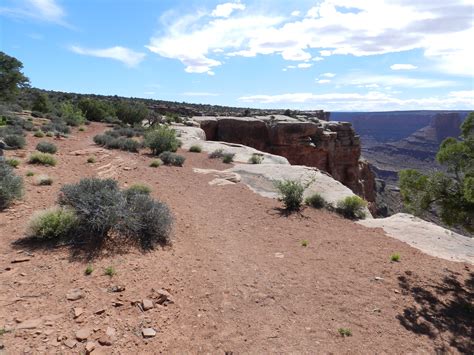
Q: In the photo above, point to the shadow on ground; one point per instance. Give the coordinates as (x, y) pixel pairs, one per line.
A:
(439, 309)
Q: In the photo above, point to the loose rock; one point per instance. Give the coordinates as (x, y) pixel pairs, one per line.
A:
(74, 294)
(148, 332)
(147, 304)
(83, 334)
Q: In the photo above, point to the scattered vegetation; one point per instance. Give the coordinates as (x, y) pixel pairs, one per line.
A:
(352, 207)
(11, 186)
(169, 158)
(155, 163)
(316, 201)
(71, 114)
(195, 149)
(162, 139)
(110, 142)
(304, 243)
(291, 193)
(44, 180)
(395, 257)
(450, 193)
(91, 160)
(42, 159)
(14, 163)
(256, 158)
(110, 271)
(217, 154)
(54, 223)
(46, 147)
(30, 173)
(89, 270)
(131, 113)
(139, 189)
(228, 158)
(345, 332)
(38, 134)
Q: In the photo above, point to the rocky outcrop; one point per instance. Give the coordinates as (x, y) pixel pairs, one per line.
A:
(329, 146)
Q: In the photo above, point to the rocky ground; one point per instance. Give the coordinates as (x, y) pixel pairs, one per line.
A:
(236, 279)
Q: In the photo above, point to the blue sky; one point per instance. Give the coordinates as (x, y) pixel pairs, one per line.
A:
(337, 55)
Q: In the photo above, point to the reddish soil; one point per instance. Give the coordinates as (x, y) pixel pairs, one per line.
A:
(239, 276)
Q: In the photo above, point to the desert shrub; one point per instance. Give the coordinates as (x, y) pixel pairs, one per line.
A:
(110, 142)
(30, 173)
(195, 149)
(256, 158)
(228, 158)
(72, 115)
(38, 134)
(89, 270)
(345, 332)
(102, 139)
(169, 158)
(156, 163)
(110, 271)
(395, 257)
(49, 134)
(27, 125)
(15, 130)
(81, 129)
(352, 207)
(131, 113)
(291, 193)
(11, 185)
(53, 223)
(147, 222)
(15, 141)
(46, 147)
(216, 154)
(316, 201)
(138, 189)
(37, 114)
(14, 163)
(42, 158)
(129, 145)
(56, 126)
(162, 139)
(112, 133)
(96, 110)
(103, 210)
(91, 160)
(44, 180)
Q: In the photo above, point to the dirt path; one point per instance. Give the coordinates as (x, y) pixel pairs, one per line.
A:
(240, 279)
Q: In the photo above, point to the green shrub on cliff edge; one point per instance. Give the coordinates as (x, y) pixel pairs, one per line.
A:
(352, 207)
(291, 193)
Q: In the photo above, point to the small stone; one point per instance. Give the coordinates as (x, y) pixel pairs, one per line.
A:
(83, 334)
(30, 324)
(117, 288)
(396, 291)
(148, 332)
(70, 343)
(117, 303)
(100, 310)
(90, 346)
(20, 260)
(164, 297)
(105, 340)
(110, 332)
(2, 346)
(74, 294)
(279, 255)
(147, 304)
(378, 278)
(78, 311)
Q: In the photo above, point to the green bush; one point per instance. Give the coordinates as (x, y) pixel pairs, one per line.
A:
(53, 223)
(46, 147)
(156, 163)
(49, 134)
(72, 115)
(256, 158)
(91, 160)
(38, 134)
(316, 201)
(345, 332)
(44, 180)
(109, 141)
(11, 185)
(14, 163)
(291, 193)
(174, 159)
(395, 257)
(195, 149)
(228, 158)
(30, 173)
(15, 141)
(131, 113)
(138, 189)
(162, 139)
(37, 114)
(352, 207)
(42, 158)
(96, 110)
(56, 126)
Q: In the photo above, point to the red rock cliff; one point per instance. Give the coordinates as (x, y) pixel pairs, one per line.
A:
(330, 146)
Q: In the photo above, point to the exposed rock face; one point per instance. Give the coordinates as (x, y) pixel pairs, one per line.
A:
(329, 146)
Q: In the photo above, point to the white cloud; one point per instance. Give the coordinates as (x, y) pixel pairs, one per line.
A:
(296, 13)
(318, 59)
(370, 101)
(305, 65)
(225, 10)
(403, 67)
(393, 80)
(328, 75)
(323, 81)
(441, 30)
(127, 56)
(42, 10)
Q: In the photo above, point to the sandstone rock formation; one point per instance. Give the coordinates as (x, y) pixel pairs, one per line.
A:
(329, 146)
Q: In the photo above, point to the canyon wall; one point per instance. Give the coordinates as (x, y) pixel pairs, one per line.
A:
(329, 146)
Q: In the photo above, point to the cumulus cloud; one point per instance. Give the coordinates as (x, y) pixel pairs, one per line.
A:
(368, 80)
(127, 56)
(305, 65)
(42, 10)
(403, 67)
(441, 30)
(323, 81)
(370, 101)
(225, 10)
(328, 75)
